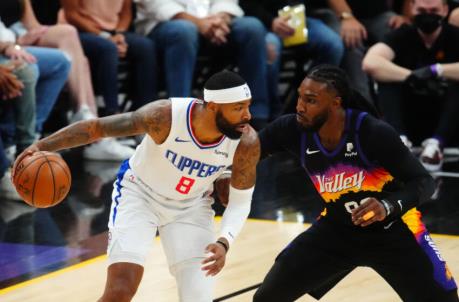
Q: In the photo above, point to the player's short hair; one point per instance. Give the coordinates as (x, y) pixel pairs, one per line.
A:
(223, 80)
(337, 80)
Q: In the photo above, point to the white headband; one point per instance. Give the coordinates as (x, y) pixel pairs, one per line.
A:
(229, 95)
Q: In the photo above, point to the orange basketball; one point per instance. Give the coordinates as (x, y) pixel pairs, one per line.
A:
(43, 179)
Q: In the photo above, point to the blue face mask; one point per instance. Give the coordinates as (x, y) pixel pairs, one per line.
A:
(427, 23)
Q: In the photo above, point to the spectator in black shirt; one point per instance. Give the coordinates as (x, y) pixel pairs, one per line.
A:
(361, 23)
(417, 68)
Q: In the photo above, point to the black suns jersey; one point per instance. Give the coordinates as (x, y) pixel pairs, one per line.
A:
(369, 161)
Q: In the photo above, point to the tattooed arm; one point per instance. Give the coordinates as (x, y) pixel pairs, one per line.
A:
(153, 119)
(242, 186)
(240, 196)
(245, 161)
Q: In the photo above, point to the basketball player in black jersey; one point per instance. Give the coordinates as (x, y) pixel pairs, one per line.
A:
(370, 184)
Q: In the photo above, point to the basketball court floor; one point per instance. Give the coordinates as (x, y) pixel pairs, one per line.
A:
(58, 254)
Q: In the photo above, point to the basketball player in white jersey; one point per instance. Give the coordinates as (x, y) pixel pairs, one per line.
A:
(166, 184)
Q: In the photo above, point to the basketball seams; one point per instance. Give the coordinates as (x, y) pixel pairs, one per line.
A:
(35, 181)
(52, 176)
(63, 169)
(38, 197)
(66, 171)
(25, 167)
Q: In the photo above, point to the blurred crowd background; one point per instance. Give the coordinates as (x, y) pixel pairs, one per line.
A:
(71, 60)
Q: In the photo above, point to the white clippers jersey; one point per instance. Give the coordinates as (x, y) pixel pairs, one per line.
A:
(181, 167)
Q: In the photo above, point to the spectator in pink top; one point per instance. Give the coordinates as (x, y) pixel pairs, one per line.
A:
(103, 27)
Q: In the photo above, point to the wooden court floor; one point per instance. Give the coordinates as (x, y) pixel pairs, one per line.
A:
(247, 263)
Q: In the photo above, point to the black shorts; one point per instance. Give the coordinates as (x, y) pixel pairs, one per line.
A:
(320, 257)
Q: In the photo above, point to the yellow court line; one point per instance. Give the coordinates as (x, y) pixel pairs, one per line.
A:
(52, 274)
(103, 257)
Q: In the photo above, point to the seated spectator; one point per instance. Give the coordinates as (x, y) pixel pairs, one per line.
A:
(53, 67)
(180, 28)
(18, 81)
(65, 37)
(323, 44)
(103, 27)
(361, 23)
(453, 17)
(417, 67)
(17, 98)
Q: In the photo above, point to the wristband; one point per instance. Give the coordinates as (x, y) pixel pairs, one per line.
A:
(439, 69)
(388, 206)
(224, 245)
(436, 69)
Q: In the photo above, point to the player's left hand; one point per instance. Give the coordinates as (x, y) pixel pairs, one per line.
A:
(369, 211)
(216, 261)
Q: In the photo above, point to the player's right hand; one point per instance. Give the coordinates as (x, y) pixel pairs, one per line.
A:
(370, 210)
(27, 152)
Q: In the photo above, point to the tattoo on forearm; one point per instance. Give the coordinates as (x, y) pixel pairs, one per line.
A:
(153, 118)
(77, 134)
(244, 165)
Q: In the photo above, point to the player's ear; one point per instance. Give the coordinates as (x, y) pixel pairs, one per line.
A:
(337, 101)
(212, 106)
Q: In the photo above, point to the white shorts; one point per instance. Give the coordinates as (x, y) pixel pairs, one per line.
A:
(185, 227)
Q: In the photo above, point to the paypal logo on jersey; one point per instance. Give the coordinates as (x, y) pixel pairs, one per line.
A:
(192, 166)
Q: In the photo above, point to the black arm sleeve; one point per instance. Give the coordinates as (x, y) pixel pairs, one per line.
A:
(382, 145)
(281, 135)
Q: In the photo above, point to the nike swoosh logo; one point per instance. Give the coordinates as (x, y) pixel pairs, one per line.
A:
(400, 204)
(389, 225)
(178, 140)
(311, 151)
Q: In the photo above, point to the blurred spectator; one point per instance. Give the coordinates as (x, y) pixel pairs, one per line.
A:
(180, 28)
(17, 111)
(361, 23)
(53, 67)
(453, 17)
(323, 44)
(65, 37)
(103, 27)
(17, 90)
(418, 70)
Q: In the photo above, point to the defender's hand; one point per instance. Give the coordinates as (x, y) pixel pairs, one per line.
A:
(370, 211)
(214, 263)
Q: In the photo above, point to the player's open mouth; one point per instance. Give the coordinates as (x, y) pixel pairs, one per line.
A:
(242, 127)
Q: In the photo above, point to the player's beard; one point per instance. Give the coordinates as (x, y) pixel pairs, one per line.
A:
(227, 128)
(317, 122)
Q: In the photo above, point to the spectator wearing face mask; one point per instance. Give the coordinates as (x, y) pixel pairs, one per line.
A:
(417, 67)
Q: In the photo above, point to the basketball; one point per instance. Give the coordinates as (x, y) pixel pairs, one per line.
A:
(43, 179)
